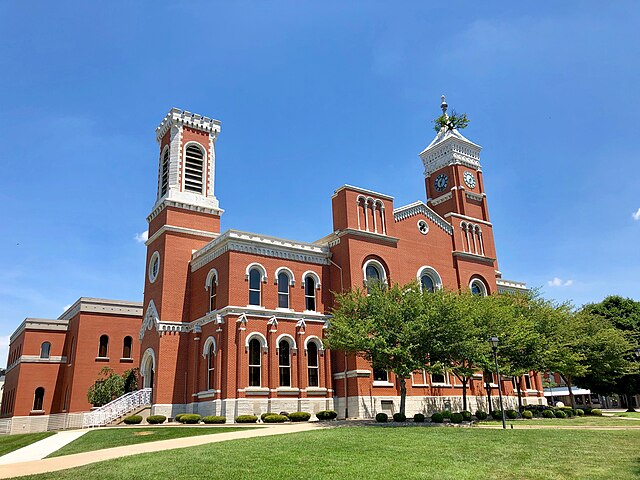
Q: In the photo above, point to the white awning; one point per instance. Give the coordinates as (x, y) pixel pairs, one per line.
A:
(564, 391)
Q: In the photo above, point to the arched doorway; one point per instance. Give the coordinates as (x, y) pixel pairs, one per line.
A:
(148, 368)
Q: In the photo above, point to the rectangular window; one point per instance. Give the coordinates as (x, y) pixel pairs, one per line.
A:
(527, 381)
(438, 378)
(254, 376)
(380, 375)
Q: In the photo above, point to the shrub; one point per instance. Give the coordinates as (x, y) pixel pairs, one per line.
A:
(156, 419)
(327, 415)
(446, 413)
(466, 415)
(275, 418)
(418, 418)
(548, 413)
(437, 417)
(456, 418)
(480, 415)
(214, 419)
(496, 414)
(299, 416)
(190, 418)
(382, 417)
(588, 410)
(560, 414)
(399, 417)
(178, 417)
(246, 419)
(527, 414)
(579, 412)
(511, 414)
(596, 411)
(133, 419)
(265, 414)
(286, 414)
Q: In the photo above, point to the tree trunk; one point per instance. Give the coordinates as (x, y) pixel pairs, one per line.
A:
(488, 388)
(519, 394)
(571, 398)
(403, 394)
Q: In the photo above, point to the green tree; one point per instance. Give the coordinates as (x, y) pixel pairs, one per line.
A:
(450, 122)
(110, 386)
(386, 327)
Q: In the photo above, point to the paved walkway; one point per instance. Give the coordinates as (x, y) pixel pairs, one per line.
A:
(40, 449)
(79, 459)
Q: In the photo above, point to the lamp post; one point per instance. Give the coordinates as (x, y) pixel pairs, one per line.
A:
(494, 345)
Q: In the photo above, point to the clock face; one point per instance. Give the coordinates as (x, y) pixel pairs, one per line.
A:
(469, 179)
(441, 182)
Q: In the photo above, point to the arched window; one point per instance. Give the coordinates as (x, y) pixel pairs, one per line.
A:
(164, 173)
(310, 293)
(313, 365)
(126, 347)
(38, 399)
(72, 350)
(284, 361)
(193, 167)
(426, 282)
(45, 350)
(374, 273)
(254, 286)
(478, 288)
(213, 292)
(254, 363)
(103, 350)
(211, 365)
(283, 290)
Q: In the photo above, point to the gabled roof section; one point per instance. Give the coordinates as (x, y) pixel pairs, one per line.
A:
(445, 134)
(417, 208)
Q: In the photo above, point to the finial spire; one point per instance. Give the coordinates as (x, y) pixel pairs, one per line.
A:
(444, 106)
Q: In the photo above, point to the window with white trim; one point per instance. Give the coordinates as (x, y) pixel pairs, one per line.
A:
(426, 283)
(193, 168)
(164, 173)
(255, 362)
(478, 288)
(283, 290)
(438, 378)
(284, 363)
(380, 375)
(45, 350)
(313, 366)
(211, 365)
(255, 287)
(154, 266)
(310, 293)
(374, 274)
(213, 292)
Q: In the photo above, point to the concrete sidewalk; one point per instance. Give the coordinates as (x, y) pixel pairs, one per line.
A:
(79, 459)
(40, 449)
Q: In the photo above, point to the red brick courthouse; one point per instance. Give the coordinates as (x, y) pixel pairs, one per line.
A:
(232, 322)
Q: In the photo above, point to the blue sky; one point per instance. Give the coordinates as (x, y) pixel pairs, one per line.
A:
(313, 95)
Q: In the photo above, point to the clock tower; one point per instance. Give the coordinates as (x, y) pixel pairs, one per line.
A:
(455, 190)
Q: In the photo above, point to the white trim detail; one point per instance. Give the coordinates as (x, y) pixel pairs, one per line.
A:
(316, 277)
(258, 266)
(316, 340)
(417, 208)
(292, 278)
(186, 231)
(483, 287)
(207, 343)
(288, 338)
(378, 266)
(203, 178)
(433, 273)
(153, 276)
(261, 338)
(150, 319)
(210, 275)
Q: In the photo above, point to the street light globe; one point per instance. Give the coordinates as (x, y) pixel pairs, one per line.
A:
(494, 341)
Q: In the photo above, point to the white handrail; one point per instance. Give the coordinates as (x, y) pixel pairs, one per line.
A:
(116, 408)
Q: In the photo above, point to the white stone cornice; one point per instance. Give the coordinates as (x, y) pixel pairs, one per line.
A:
(419, 208)
(180, 117)
(237, 241)
(362, 190)
(465, 217)
(101, 305)
(450, 148)
(475, 196)
(441, 198)
(186, 231)
(511, 286)
(366, 234)
(272, 316)
(474, 257)
(195, 203)
(36, 359)
(60, 325)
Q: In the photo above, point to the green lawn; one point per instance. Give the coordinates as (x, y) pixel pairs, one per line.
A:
(9, 443)
(394, 453)
(629, 414)
(587, 421)
(116, 437)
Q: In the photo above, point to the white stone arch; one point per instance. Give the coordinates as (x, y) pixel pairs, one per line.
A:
(314, 275)
(261, 338)
(207, 343)
(261, 269)
(484, 290)
(378, 265)
(279, 270)
(213, 273)
(204, 164)
(432, 272)
(151, 319)
(290, 340)
(314, 339)
(148, 367)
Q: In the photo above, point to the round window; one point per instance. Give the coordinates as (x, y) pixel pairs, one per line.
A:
(154, 267)
(423, 227)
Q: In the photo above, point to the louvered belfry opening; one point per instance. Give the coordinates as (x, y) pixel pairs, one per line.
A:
(193, 165)
(164, 179)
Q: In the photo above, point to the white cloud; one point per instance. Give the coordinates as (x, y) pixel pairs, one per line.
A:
(558, 282)
(636, 216)
(65, 308)
(142, 237)
(4, 350)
